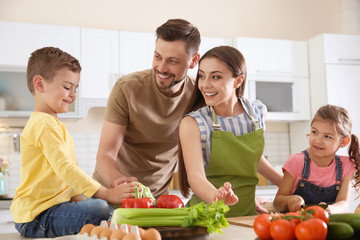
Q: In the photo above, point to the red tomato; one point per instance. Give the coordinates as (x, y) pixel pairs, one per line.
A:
(143, 203)
(295, 221)
(262, 226)
(281, 229)
(319, 212)
(128, 203)
(312, 229)
(169, 201)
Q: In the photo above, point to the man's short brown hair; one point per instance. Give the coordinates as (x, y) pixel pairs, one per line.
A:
(180, 29)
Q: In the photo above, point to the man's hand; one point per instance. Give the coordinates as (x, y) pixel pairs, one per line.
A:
(122, 180)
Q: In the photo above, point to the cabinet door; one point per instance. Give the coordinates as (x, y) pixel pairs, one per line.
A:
(136, 51)
(342, 49)
(274, 57)
(100, 62)
(19, 40)
(343, 84)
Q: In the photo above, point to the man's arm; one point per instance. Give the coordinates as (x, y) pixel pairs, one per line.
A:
(111, 139)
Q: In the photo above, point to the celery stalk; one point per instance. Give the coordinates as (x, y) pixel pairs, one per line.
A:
(211, 216)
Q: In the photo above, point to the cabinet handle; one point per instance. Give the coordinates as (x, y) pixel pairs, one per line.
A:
(274, 72)
(349, 60)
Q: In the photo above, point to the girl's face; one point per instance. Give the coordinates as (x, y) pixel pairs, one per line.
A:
(324, 139)
(216, 82)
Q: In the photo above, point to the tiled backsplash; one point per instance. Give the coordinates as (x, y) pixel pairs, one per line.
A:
(277, 150)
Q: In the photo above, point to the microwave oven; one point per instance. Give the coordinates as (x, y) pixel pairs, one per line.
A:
(286, 98)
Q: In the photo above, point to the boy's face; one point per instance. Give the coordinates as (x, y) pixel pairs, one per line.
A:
(59, 93)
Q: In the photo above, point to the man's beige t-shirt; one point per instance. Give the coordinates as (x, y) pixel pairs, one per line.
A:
(149, 150)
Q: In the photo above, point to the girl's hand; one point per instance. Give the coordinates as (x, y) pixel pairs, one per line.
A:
(226, 193)
(295, 202)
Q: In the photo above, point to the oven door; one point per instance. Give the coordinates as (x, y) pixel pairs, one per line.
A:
(287, 99)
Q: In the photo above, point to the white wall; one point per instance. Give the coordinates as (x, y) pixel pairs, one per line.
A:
(284, 19)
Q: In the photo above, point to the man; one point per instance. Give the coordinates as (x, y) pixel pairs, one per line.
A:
(139, 139)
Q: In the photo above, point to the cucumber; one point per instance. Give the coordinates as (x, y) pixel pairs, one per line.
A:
(339, 230)
(351, 218)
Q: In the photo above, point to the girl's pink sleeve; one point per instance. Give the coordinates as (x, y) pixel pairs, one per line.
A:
(294, 165)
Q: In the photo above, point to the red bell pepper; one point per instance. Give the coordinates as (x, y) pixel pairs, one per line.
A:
(137, 202)
(143, 203)
(128, 203)
(169, 201)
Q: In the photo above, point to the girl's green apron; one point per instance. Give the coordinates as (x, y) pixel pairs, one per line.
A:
(235, 160)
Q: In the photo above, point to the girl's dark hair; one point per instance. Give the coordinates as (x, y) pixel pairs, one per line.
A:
(180, 29)
(235, 61)
(343, 125)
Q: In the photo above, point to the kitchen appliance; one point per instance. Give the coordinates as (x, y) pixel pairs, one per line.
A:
(286, 98)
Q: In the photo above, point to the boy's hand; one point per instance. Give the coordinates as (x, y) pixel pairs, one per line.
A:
(117, 194)
(121, 180)
(295, 202)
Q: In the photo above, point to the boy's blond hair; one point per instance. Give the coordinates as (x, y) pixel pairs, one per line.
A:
(46, 61)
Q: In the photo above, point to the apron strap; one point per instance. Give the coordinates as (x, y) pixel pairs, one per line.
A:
(217, 126)
(306, 169)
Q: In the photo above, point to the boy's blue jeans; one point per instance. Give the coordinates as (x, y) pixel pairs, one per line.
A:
(65, 219)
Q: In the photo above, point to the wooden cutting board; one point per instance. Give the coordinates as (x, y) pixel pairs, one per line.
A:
(246, 221)
(191, 233)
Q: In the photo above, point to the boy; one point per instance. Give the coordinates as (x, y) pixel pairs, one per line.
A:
(47, 202)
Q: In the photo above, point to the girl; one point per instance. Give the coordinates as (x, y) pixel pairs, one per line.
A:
(222, 143)
(317, 175)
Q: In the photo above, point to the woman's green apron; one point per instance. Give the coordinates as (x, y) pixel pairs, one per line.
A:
(235, 160)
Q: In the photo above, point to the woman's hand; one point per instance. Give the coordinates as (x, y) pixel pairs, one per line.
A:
(226, 193)
(259, 202)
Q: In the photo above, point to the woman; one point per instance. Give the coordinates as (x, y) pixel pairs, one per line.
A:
(221, 144)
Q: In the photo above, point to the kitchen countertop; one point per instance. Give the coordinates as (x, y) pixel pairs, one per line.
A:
(231, 233)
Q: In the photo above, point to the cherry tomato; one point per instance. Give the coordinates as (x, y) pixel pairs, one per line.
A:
(319, 212)
(169, 201)
(281, 229)
(143, 203)
(128, 203)
(262, 226)
(312, 229)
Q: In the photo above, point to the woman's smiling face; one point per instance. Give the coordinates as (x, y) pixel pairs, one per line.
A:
(216, 82)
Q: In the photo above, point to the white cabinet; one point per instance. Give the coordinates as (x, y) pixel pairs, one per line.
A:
(277, 74)
(100, 66)
(335, 75)
(17, 42)
(334, 79)
(136, 51)
(274, 57)
(341, 49)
